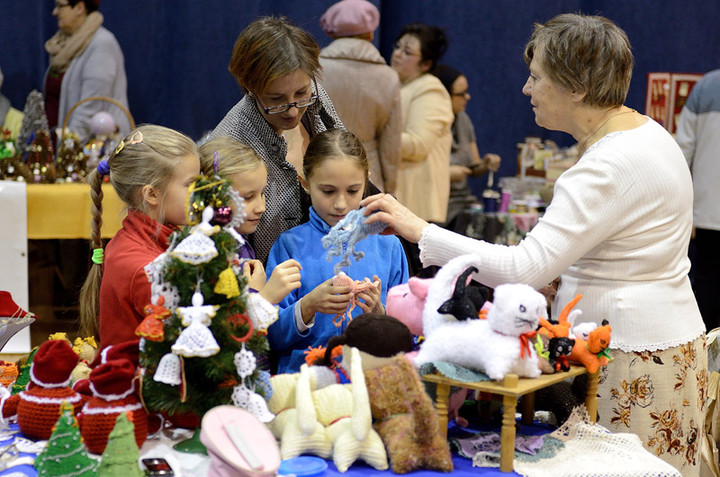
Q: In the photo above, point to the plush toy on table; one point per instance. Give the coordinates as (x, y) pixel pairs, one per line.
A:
(38, 406)
(593, 353)
(498, 345)
(343, 410)
(405, 418)
(403, 414)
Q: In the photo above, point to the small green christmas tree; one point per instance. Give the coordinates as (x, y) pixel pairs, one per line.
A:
(205, 352)
(120, 458)
(65, 453)
(24, 377)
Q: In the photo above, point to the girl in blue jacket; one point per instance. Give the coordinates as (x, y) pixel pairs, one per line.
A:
(335, 170)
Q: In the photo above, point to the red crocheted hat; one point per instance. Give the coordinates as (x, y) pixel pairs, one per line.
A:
(53, 363)
(113, 380)
(8, 307)
(129, 350)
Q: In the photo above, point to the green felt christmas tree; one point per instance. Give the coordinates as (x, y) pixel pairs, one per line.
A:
(120, 458)
(65, 453)
(24, 377)
(204, 334)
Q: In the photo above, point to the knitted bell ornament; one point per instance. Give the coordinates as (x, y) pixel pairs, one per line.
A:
(39, 405)
(114, 393)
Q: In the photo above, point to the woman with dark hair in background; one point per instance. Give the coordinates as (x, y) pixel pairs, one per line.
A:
(85, 61)
(276, 64)
(465, 159)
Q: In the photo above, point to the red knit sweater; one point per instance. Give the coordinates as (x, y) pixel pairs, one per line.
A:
(125, 289)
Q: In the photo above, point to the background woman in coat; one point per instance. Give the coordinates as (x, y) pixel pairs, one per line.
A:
(85, 61)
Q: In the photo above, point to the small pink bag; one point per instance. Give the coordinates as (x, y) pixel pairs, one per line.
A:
(238, 444)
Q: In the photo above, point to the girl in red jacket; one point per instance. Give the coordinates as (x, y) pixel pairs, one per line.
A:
(151, 170)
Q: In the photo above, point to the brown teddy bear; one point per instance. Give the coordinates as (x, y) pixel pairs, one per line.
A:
(405, 418)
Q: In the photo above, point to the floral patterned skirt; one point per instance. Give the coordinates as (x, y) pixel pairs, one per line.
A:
(660, 396)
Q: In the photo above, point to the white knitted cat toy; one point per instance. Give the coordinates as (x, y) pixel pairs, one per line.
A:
(497, 345)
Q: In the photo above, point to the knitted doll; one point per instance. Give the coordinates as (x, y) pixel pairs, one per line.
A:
(113, 387)
(38, 407)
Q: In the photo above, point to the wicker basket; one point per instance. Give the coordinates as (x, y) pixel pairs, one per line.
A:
(97, 98)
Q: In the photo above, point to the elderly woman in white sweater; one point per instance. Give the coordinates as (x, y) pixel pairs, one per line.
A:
(617, 231)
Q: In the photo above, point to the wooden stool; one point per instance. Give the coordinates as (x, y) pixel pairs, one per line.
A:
(511, 388)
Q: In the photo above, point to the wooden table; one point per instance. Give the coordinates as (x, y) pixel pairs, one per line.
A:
(511, 388)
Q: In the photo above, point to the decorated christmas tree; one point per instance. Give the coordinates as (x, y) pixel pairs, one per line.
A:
(120, 458)
(38, 158)
(71, 159)
(204, 334)
(65, 453)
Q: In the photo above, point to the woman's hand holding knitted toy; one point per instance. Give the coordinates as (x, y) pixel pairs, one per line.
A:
(325, 298)
(399, 219)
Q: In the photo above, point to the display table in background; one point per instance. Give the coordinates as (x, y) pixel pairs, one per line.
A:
(511, 389)
(62, 211)
(495, 227)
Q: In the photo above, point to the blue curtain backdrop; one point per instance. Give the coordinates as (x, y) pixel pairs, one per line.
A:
(176, 51)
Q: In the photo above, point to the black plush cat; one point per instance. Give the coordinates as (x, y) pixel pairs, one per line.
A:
(560, 349)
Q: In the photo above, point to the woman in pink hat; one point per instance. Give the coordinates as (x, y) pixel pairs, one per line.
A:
(364, 89)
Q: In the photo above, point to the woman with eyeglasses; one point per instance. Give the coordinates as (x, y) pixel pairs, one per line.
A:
(276, 64)
(424, 173)
(465, 159)
(85, 61)
(424, 176)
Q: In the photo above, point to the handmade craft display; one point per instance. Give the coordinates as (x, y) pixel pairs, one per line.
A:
(204, 332)
(356, 286)
(343, 411)
(65, 453)
(114, 392)
(38, 406)
(497, 345)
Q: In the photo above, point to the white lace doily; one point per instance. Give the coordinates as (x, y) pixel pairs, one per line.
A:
(593, 451)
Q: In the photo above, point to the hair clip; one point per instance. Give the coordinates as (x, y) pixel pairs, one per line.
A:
(119, 147)
(136, 138)
(216, 162)
(103, 167)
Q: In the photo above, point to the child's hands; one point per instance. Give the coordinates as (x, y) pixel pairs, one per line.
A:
(371, 298)
(254, 271)
(285, 278)
(325, 298)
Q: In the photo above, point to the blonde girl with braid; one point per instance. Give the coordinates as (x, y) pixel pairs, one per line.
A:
(151, 171)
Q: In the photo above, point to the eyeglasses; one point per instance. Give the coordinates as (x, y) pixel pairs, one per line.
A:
(303, 103)
(405, 50)
(59, 5)
(461, 94)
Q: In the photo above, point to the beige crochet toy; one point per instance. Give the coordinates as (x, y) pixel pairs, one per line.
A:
(286, 428)
(344, 412)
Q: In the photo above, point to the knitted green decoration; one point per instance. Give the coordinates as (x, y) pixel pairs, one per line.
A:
(24, 377)
(120, 458)
(65, 453)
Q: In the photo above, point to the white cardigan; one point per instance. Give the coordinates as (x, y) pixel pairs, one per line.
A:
(617, 231)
